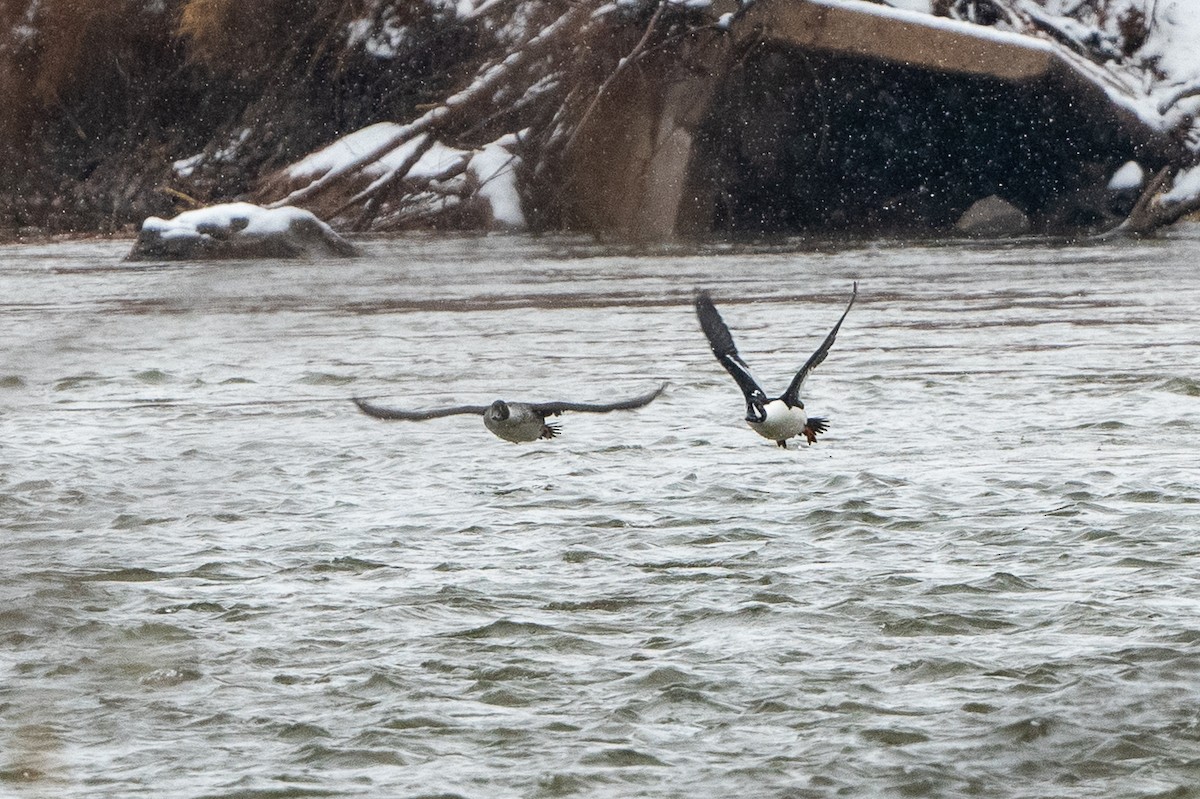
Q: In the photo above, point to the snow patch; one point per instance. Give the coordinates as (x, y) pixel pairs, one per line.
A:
(248, 218)
(1174, 34)
(942, 23)
(1185, 188)
(493, 170)
(438, 162)
(921, 6)
(1129, 177)
(383, 39)
(184, 167)
(343, 151)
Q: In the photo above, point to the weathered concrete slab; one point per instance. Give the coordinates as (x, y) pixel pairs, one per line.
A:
(888, 34)
(636, 150)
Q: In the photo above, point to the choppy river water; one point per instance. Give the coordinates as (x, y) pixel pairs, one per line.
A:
(220, 580)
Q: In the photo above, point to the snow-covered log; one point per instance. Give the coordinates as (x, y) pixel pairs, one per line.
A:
(238, 230)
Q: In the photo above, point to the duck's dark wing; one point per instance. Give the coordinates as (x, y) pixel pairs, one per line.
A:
(792, 395)
(555, 408)
(721, 341)
(415, 416)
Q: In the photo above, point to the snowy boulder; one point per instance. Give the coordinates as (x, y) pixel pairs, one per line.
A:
(238, 230)
(1128, 179)
(1123, 189)
(992, 217)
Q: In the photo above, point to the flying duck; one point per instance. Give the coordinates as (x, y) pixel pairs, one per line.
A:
(783, 417)
(513, 421)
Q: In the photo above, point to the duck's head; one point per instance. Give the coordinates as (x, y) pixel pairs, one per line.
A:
(499, 410)
(756, 407)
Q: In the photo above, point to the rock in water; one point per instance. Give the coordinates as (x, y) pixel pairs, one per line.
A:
(238, 230)
(992, 216)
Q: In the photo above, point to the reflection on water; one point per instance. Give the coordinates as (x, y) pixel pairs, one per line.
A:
(220, 579)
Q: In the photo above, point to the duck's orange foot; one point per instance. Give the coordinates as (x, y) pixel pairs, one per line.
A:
(815, 425)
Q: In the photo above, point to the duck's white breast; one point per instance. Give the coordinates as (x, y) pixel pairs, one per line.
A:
(781, 423)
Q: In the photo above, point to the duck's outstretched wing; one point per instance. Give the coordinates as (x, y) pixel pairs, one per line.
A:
(555, 408)
(721, 341)
(415, 416)
(792, 395)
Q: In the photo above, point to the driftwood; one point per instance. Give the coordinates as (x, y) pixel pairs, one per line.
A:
(1152, 211)
(457, 114)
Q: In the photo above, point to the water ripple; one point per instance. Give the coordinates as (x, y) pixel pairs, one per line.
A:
(221, 579)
